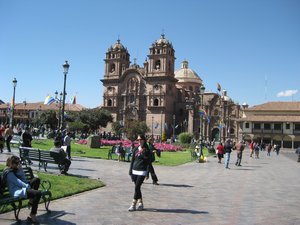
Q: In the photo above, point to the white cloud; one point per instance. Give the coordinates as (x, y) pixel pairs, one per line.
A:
(287, 93)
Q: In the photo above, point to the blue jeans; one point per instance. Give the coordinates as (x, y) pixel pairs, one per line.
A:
(227, 158)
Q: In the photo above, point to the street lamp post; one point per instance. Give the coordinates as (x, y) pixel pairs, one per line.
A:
(59, 100)
(161, 126)
(66, 69)
(202, 89)
(13, 103)
(190, 106)
(152, 125)
(174, 118)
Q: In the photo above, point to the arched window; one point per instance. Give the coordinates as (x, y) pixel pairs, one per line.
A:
(157, 64)
(112, 68)
(156, 102)
(109, 102)
(131, 98)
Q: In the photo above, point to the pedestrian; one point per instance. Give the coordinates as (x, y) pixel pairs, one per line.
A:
(129, 155)
(220, 152)
(8, 134)
(239, 147)
(151, 168)
(298, 152)
(18, 188)
(269, 148)
(228, 149)
(1, 142)
(60, 157)
(120, 152)
(256, 150)
(139, 171)
(277, 149)
(27, 138)
(251, 148)
(67, 143)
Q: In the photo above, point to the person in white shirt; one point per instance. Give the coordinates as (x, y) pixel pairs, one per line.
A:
(67, 142)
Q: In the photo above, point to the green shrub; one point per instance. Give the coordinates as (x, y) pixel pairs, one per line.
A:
(185, 138)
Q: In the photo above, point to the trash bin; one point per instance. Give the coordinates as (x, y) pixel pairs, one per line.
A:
(94, 141)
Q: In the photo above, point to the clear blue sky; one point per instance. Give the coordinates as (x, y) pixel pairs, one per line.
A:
(252, 48)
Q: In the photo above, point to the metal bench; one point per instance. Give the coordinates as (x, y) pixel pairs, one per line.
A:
(43, 157)
(16, 141)
(112, 154)
(16, 202)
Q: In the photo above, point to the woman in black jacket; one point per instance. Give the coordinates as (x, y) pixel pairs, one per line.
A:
(139, 170)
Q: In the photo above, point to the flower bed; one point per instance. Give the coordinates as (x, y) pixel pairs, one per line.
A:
(82, 142)
(126, 143)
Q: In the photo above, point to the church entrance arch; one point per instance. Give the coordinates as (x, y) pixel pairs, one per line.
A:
(215, 134)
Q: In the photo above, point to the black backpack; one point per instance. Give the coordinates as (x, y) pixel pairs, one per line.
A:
(2, 184)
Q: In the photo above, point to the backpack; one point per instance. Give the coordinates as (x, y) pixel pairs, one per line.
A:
(2, 184)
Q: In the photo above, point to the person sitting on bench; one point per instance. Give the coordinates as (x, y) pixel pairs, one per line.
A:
(60, 156)
(18, 187)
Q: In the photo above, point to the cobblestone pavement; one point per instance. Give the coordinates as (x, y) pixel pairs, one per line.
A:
(261, 191)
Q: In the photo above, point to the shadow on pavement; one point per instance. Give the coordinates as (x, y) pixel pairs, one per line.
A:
(245, 169)
(75, 168)
(177, 185)
(53, 218)
(47, 218)
(176, 211)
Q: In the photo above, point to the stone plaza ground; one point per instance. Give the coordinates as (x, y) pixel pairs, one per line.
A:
(262, 191)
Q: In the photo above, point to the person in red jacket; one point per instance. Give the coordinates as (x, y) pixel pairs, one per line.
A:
(220, 152)
(251, 148)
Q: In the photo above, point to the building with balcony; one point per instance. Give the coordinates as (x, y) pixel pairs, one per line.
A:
(273, 122)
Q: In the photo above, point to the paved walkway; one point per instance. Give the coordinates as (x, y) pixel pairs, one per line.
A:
(262, 191)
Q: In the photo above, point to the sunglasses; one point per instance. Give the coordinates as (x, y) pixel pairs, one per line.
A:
(17, 163)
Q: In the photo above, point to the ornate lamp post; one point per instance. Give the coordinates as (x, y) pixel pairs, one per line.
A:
(161, 125)
(66, 70)
(13, 103)
(174, 118)
(190, 107)
(152, 125)
(59, 100)
(202, 89)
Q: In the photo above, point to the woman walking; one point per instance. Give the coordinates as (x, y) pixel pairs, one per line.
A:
(228, 148)
(139, 170)
(220, 152)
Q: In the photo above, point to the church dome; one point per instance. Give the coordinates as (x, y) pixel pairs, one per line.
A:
(186, 75)
(162, 41)
(118, 46)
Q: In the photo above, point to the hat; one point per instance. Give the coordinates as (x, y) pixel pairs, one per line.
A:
(197, 146)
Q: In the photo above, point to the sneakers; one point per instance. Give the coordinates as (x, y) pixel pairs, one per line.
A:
(140, 206)
(133, 206)
(155, 183)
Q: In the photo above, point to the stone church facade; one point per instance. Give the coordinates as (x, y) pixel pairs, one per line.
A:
(167, 100)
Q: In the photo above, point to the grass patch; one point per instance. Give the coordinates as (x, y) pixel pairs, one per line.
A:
(167, 158)
(63, 186)
(76, 149)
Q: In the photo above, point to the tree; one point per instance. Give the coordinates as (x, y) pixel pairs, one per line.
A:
(92, 118)
(49, 118)
(133, 128)
(117, 128)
